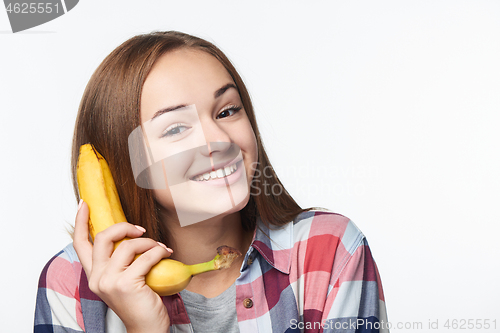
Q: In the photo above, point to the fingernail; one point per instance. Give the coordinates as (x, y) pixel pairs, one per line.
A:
(140, 228)
(80, 204)
(165, 247)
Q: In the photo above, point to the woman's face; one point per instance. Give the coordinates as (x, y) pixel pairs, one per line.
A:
(198, 136)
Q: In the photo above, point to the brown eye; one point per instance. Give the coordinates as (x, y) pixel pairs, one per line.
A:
(228, 112)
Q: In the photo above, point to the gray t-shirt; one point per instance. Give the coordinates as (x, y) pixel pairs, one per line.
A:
(212, 315)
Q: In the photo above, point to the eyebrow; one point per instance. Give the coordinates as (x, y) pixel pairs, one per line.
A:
(171, 108)
(222, 90)
(217, 94)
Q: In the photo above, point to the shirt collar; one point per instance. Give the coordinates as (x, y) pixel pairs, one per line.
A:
(275, 244)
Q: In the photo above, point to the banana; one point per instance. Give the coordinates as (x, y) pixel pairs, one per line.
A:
(97, 188)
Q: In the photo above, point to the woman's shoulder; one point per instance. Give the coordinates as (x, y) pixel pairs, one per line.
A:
(63, 277)
(65, 258)
(327, 226)
(325, 241)
(62, 272)
(64, 300)
(57, 295)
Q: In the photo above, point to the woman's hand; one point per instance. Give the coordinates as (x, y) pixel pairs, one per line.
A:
(119, 280)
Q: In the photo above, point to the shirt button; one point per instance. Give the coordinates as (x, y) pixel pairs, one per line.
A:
(249, 261)
(247, 303)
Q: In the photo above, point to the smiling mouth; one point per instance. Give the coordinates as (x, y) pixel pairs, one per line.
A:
(217, 174)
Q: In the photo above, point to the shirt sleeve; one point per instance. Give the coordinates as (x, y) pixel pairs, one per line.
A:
(58, 307)
(355, 302)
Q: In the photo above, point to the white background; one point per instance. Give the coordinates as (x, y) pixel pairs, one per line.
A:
(384, 111)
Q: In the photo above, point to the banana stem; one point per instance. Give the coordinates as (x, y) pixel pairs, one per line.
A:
(204, 266)
(224, 258)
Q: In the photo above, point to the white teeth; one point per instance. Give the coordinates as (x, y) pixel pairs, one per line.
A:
(219, 173)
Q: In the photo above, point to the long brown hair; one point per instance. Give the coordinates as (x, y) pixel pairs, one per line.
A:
(110, 110)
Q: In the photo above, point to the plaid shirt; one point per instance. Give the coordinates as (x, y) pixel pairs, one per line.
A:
(315, 274)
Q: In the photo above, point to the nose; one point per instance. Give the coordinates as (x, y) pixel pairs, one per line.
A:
(216, 137)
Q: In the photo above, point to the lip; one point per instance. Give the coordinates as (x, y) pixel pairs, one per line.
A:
(217, 166)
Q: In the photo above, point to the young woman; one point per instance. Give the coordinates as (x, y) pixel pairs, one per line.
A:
(207, 173)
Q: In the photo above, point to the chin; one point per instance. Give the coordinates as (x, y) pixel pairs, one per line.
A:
(199, 207)
(239, 205)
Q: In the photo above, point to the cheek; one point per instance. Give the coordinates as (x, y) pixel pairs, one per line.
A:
(245, 139)
(161, 191)
(168, 172)
(164, 198)
(176, 166)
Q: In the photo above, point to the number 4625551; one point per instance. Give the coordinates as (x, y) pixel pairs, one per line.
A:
(25, 8)
(470, 324)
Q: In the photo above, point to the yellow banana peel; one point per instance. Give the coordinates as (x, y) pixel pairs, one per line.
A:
(97, 188)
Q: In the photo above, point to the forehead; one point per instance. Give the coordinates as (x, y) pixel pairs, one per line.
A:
(184, 72)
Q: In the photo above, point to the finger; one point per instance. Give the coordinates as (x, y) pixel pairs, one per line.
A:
(105, 240)
(81, 242)
(126, 252)
(143, 264)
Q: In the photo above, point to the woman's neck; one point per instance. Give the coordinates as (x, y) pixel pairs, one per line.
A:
(198, 243)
